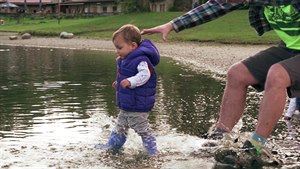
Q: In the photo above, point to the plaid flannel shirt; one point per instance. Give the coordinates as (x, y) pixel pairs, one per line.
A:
(216, 8)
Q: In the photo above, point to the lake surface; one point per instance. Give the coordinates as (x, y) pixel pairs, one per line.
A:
(54, 102)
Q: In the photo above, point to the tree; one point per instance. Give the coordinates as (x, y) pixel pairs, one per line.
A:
(129, 6)
(181, 5)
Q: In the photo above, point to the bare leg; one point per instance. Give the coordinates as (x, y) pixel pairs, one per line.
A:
(234, 98)
(273, 101)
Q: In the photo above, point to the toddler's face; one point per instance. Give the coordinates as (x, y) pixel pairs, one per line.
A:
(123, 48)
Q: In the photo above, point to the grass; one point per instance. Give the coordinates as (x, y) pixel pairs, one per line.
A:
(232, 28)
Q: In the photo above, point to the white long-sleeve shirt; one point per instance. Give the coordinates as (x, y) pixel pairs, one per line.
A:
(141, 77)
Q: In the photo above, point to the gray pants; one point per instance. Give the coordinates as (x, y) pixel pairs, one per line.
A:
(138, 121)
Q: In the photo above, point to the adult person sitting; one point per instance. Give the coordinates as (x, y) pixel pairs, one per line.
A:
(275, 70)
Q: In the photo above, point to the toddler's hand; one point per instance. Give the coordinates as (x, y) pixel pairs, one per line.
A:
(114, 84)
(125, 83)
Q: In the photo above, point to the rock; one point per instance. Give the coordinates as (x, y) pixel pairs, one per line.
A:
(224, 166)
(26, 36)
(62, 34)
(221, 154)
(210, 144)
(13, 38)
(66, 35)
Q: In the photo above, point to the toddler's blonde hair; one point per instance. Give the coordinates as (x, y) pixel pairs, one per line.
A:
(129, 32)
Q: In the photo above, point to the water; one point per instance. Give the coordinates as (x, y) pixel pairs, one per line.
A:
(56, 104)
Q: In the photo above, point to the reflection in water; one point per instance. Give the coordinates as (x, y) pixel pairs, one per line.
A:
(44, 85)
(53, 93)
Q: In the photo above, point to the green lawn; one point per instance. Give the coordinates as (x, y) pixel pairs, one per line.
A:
(232, 28)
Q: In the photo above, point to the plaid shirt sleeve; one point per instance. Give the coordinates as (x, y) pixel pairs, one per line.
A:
(204, 13)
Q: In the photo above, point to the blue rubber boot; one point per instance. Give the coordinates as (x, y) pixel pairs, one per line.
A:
(115, 142)
(149, 143)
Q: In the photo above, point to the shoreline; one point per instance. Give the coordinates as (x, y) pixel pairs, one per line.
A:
(203, 57)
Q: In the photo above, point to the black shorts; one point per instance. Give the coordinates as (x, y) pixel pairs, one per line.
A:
(260, 64)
